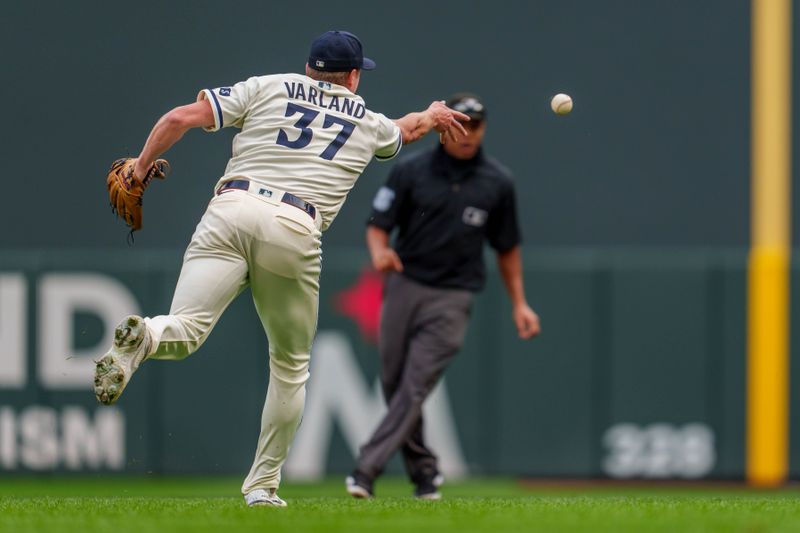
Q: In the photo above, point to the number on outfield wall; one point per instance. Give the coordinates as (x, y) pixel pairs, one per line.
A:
(659, 451)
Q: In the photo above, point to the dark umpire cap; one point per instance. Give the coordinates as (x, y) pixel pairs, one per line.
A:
(469, 104)
(338, 51)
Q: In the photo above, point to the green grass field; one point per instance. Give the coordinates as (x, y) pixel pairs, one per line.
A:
(198, 504)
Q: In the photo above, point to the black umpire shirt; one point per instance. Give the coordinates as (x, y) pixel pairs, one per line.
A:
(444, 208)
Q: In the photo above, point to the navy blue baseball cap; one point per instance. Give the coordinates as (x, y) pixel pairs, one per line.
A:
(468, 103)
(338, 51)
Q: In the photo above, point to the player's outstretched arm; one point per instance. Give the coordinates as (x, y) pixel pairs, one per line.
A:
(437, 117)
(169, 129)
(525, 319)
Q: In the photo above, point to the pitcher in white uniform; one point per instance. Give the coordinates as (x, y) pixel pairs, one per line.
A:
(303, 143)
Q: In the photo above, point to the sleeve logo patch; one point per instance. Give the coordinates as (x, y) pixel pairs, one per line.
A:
(474, 217)
(383, 199)
(225, 91)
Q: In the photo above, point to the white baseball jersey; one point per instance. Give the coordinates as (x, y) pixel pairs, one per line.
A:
(307, 137)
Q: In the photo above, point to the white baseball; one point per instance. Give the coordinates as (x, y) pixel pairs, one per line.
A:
(561, 104)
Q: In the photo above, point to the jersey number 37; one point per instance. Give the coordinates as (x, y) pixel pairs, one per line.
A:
(307, 116)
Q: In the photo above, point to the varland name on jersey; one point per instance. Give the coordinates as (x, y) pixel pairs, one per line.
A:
(308, 93)
(310, 138)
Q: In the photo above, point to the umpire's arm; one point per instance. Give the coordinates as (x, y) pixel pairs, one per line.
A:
(387, 209)
(525, 319)
(504, 236)
(384, 258)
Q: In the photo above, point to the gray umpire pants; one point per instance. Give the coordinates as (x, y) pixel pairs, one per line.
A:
(422, 328)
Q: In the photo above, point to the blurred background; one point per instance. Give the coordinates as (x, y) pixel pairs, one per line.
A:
(635, 211)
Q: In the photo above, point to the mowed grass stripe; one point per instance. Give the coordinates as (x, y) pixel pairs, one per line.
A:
(199, 505)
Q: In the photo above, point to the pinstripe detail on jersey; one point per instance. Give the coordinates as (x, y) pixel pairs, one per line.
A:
(396, 150)
(217, 107)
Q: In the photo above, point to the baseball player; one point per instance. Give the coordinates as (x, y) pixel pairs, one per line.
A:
(304, 141)
(445, 204)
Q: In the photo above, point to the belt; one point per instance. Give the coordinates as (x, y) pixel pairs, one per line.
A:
(287, 198)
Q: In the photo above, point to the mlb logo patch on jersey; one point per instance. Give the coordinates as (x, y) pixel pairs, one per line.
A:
(324, 85)
(225, 91)
(474, 217)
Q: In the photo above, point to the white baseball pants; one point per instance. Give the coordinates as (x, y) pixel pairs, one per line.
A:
(249, 238)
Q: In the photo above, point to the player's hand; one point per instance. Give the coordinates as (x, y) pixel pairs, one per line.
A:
(527, 321)
(387, 260)
(447, 121)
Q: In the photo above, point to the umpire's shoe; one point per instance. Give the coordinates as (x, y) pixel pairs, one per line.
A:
(113, 371)
(429, 488)
(359, 485)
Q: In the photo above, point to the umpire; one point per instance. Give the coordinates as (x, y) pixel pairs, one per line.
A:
(444, 203)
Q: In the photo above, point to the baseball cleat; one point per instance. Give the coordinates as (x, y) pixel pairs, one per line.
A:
(359, 486)
(429, 489)
(263, 498)
(113, 371)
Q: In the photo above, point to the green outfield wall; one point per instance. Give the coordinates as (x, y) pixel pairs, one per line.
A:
(656, 151)
(639, 372)
(634, 211)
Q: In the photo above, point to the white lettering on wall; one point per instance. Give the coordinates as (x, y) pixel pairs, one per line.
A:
(38, 438)
(60, 365)
(659, 451)
(8, 439)
(13, 332)
(42, 438)
(93, 445)
(337, 392)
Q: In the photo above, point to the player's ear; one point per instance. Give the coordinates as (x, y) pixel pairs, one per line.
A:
(353, 77)
(308, 71)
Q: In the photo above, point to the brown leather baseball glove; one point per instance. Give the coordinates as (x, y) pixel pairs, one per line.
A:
(125, 193)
